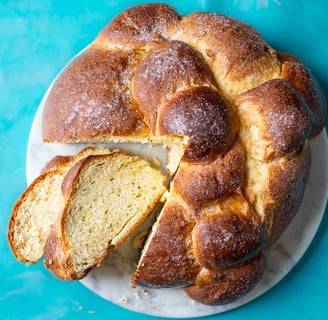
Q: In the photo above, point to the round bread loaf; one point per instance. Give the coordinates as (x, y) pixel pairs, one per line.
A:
(237, 117)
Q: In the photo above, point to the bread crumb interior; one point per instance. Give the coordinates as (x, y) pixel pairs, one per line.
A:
(111, 197)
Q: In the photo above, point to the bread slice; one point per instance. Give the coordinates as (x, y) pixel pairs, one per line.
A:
(35, 212)
(33, 215)
(106, 198)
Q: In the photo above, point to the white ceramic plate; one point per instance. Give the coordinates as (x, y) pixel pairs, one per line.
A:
(112, 280)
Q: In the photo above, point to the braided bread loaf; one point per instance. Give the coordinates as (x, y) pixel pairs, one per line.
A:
(236, 116)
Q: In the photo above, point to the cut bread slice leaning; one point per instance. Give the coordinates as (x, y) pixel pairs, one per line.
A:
(106, 198)
(36, 211)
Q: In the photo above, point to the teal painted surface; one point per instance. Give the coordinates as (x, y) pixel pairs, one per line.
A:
(37, 38)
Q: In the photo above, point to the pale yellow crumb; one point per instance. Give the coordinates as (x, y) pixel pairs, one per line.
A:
(86, 215)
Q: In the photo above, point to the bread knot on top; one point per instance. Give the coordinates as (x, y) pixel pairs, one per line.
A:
(237, 117)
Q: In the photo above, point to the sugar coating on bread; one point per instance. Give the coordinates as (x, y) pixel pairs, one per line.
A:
(106, 198)
(275, 119)
(237, 55)
(233, 282)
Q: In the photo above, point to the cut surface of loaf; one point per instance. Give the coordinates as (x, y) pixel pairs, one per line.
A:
(37, 209)
(34, 214)
(237, 116)
(106, 198)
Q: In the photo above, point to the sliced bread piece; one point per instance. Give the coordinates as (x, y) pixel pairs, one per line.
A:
(33, 215)
(35, 212)
(106, 198)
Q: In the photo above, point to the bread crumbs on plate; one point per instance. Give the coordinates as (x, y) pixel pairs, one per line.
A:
(124, 300)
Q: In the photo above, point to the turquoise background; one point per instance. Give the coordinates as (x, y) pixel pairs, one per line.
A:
(37, 38)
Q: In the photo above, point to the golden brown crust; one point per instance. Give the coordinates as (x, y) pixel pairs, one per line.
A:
(287, 57)
(301, 79)
(201, 184)
(90, 98)
(70, 177)
(226, 285)
(287, 120)
(286, 185)
(65, 162)
(202, 115)
(58, 162)
(169, 250)
(183, 242)
(278, 194)
(232, 48)
(221, 240)
(140, 25)
(166, 69)
(56, 254)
